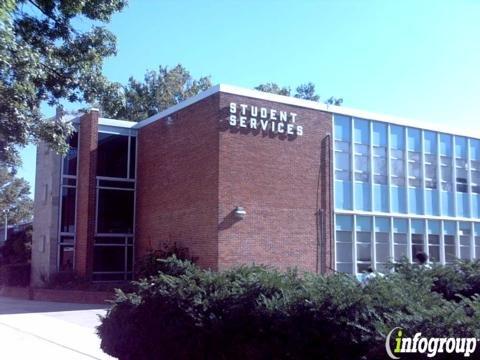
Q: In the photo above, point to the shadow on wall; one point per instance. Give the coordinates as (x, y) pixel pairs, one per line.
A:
(225, 126)
(229, 220)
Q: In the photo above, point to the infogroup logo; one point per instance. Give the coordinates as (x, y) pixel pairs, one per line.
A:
(425, 345)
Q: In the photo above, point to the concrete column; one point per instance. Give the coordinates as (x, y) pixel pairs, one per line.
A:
(86, 193)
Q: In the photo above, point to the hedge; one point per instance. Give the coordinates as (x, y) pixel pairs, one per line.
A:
(253, 312)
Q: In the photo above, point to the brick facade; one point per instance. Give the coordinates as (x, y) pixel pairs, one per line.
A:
(86, 193)
(193, 170)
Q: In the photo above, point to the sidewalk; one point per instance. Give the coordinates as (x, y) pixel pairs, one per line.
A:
(48, 330)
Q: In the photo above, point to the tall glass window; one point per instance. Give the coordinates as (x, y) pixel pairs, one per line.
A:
(414, 158)
(68, 190)
(400, 228)
(417, 236)
(364, 243)
(113, 250)
(449, 231)
(344, 243)
(343, 162)
(382, 241)
(434, 240)
(465, 236)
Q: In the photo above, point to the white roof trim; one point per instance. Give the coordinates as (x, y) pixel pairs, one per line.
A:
(288, 100)
(117, 123)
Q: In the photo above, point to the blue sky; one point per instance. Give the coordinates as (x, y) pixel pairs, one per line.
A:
(413, 59)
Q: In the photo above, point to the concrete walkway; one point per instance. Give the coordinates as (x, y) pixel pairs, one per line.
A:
(48, 330)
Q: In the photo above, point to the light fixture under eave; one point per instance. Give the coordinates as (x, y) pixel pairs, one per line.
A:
(239, 212)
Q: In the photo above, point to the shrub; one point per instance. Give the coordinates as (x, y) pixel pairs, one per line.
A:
(15, 274)
(253, 312)
(150, 264)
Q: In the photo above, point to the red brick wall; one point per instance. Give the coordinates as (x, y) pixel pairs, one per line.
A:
(86, 193)
(282, 184)
(193, 170)
(177, 182)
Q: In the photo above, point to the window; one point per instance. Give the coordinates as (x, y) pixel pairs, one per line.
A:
(430, 171)
(397, 167)
(382, 239)
(364, 250)
(417, 244)
(68, 210)
(343, 242)
(461, 175)
(66, 253)
(112, 155)
(342, 160)
(475, 174)
(362, 169)
(400, 246)
(70, 159)
(414, 169)
(115, 211)
(434, 247)
(113, 258)
(446, 173)
(464, 238)
(380, 165)
(477, 246)
(449, 241)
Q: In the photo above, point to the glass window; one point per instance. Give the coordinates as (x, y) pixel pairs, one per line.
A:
(380, 164)
(430, 171)
(449, 241)
(414, 169)
(112, 155)
(70, 159)
(381, 244)
(397, 167)
(115, 211)
(434, 247)
(400, 246)
(109, 258)
(361, 163)
(417, 244)
(133, 156)
(475, 174)
(342, 160)
(68, 210)
(461, 169)
(66, 257)
(446, 173)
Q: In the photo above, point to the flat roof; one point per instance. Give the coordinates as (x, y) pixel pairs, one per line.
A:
(289, 100)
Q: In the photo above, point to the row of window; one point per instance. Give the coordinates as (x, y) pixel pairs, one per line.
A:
(370, 141)
(363, 242)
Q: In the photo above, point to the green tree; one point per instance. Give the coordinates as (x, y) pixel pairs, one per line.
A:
(305, 91)
(14, 198)
(159, 90)
(46, 57)
(274, 89)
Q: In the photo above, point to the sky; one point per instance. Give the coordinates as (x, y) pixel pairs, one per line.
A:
(412, 59)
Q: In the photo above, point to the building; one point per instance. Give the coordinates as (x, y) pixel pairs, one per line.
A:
(241, 176)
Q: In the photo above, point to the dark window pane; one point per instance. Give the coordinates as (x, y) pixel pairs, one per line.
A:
(116, 184)
(133, 157)
(66, 258)
(110, 240)
(69, 181)
(68, 210)
(111, 277)
(129, 258)
(112, 155)
(115, 211)
(66, 239)
(70, 160)
(109, 258)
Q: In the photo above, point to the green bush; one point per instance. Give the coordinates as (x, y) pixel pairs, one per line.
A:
(253, 312)
(15, 274)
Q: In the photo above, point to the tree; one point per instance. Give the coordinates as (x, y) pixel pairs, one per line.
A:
(274, 89)
(14, 198)
(45, 58)
(304, 91)
(160, 89)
